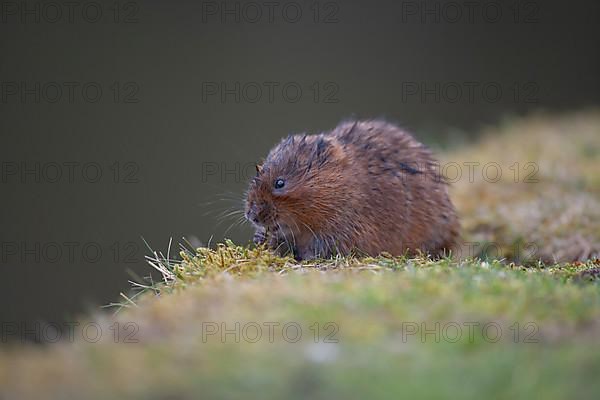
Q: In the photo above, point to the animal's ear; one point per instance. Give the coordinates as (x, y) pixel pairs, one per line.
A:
(259, 167)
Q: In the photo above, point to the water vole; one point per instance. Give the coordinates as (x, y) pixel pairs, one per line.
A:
(365, 186)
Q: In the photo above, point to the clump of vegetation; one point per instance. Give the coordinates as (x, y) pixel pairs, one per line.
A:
(233, 321)
(539, 198)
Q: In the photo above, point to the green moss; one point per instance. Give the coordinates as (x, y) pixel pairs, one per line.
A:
(364, 329)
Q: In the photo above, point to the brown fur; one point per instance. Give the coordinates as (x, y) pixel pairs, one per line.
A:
(366, 186)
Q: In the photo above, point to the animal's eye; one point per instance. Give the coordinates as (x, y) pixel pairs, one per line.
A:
(279, 183)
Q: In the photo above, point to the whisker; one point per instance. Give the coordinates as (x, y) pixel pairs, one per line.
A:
(238, 222)
(284, 237)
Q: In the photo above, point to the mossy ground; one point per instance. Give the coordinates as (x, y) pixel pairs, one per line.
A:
(545, 204)
(385, 327)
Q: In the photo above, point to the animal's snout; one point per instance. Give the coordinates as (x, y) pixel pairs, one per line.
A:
(252, 216)
(258, 212)
(251, 213)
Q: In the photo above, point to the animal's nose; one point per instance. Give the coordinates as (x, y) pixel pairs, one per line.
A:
(252, 213)
(257, 212)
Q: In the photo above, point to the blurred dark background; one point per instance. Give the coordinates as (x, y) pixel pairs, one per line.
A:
(130, 119)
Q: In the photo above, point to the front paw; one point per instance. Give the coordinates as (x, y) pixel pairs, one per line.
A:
(260, 237)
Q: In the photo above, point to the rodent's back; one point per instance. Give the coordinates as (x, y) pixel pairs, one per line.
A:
(366, 186)
(406, 199)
